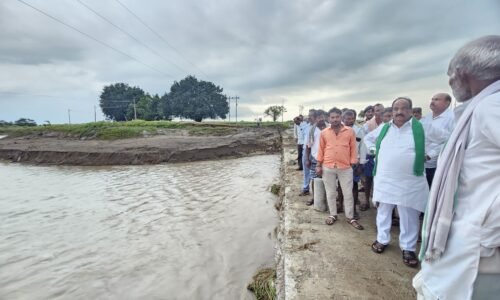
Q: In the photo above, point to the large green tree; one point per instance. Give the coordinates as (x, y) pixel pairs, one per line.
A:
(196, 99)
(116, 99)
(275, 111)
(147, 108)
(165, 107)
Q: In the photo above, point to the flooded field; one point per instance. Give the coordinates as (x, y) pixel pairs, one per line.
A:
(177, 231)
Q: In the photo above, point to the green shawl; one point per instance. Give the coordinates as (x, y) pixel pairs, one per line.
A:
(418, 137)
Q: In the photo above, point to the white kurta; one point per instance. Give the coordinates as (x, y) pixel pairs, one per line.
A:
(444, 121)
(394, 182)
(474, 241)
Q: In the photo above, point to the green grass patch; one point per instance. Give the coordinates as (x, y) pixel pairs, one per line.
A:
(275, 189)
(136, 128)
(263, 284)
(116, 133)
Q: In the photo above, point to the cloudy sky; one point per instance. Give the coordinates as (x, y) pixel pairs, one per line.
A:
(314, 54)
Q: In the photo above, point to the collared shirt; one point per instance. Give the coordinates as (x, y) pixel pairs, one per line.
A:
(303, 129)
(395, 182)
(337, 150)
(445, 122)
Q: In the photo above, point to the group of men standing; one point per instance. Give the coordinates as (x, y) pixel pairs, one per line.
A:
(402, 158)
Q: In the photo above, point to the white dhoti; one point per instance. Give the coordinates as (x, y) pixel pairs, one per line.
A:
(408, 225)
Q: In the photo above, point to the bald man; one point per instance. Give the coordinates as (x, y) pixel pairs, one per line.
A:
(442, 118)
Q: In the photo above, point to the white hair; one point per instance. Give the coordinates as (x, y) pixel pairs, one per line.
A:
(479, 58)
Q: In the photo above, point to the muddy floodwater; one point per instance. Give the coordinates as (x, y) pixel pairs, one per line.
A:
(176, 231)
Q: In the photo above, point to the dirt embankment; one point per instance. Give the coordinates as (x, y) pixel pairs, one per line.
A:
(174, 147)
(317, 261)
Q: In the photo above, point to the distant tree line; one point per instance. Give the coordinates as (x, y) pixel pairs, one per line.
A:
(20, 122)
(189, 98)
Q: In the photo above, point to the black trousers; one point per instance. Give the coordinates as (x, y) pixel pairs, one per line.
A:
(429, 173)
(299, 156)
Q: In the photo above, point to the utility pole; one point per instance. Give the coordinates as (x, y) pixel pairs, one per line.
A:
(229, 104)
(95, 114)
(236, 106)
(69, 116)
(236, 98)
(135, 111)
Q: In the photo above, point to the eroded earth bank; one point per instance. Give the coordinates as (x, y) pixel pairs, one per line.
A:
(170, 146)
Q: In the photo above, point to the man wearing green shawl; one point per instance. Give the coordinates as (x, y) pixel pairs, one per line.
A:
(399, 178)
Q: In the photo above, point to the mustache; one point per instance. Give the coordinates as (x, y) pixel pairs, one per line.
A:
(400, 115)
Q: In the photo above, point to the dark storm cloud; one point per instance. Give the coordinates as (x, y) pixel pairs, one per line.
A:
(310, 53)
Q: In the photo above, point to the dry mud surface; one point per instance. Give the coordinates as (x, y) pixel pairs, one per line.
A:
(137, 151)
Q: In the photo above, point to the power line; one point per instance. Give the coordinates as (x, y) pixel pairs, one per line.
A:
(159, 36)
(93, 38)
(130, 35)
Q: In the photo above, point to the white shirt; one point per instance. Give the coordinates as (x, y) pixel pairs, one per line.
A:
(303, 131)
(360, 134)
(394, 182)
(474, 239)
(365, 128)
(315, 145)
(444, 121)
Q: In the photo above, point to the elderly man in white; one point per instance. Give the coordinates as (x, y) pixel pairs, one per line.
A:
(440, 117)
(461, 232)
(399, 178)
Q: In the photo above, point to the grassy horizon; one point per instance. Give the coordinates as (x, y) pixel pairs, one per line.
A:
(136, 128)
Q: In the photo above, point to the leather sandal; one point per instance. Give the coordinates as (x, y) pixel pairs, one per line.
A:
(410, 258)
(378, 247)
(330, 220)
(354, 223)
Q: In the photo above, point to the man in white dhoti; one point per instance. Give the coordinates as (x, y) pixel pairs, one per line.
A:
(399, 178)
(461, 232)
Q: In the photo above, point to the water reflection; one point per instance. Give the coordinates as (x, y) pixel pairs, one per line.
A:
(182, 231)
